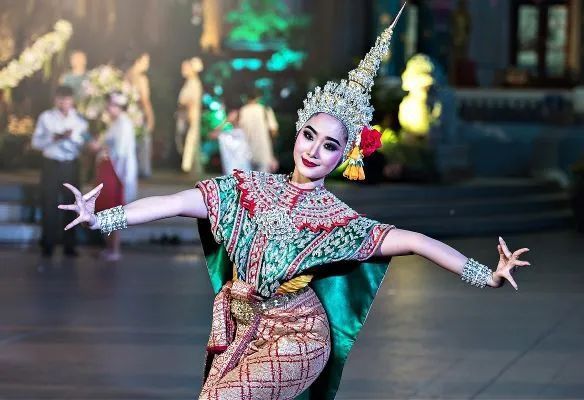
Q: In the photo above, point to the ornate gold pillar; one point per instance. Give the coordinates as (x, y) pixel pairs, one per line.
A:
(30, 6)
(81, 8)
(111, 15)
(212, 25)
(575, 36)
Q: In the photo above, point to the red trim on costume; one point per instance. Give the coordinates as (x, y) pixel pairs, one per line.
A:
(375, 238)
(210, 193)
(216, 349)
(245, 199)
(323, 212)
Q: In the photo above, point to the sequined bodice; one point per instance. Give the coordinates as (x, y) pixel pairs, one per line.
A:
(273, 230)
(282, 210)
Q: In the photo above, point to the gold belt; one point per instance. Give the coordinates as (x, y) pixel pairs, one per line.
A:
(245, 311)
(293, 285)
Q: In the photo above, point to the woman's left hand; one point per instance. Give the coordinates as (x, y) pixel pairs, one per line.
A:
(94, 146)
(508, 263)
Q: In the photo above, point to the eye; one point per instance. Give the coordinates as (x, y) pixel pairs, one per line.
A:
(330, 147)
(308, 135)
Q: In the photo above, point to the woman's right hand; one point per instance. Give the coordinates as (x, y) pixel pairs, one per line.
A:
(102, 155)
(84, 206)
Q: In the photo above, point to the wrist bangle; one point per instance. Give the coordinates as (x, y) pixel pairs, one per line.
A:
(112, 219)
(475, 273)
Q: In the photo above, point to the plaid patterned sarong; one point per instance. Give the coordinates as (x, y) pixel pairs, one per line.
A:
(264, 349)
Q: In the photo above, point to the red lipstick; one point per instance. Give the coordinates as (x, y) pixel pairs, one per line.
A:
(308, 163)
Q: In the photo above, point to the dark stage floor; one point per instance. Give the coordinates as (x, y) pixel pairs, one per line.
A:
(136, 330)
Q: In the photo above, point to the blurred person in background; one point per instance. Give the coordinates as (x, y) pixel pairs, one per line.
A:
(76, 78)
(5, 110)
(136, 76)
(233, 147)
(60, 135)
(260, 126)
(117, 166)
(77, 75)
(189, 118)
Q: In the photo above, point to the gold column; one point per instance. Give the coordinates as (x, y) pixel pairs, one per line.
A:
(30, 5)
(81, 8)
(212, 26)
(111, 15)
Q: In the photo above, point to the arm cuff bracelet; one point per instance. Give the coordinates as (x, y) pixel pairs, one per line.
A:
(112, 219)
(475, 273)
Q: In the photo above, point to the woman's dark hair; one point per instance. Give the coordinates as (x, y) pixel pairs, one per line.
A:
(254, 93)
(64, 91)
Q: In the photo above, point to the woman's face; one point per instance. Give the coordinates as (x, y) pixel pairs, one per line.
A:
(113, 109)
(186, 70)
(143, 63)
(319, 146)
(78, 60)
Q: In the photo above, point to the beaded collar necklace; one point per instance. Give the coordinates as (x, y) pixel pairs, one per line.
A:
(277, 221)
(281, 210)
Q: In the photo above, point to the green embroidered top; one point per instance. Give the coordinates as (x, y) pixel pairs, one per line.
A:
(273, 230)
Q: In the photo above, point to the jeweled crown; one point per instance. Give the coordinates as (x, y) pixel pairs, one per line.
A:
(349, 100)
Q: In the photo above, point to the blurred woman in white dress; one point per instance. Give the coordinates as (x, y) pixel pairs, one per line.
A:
(117, 166)
(189, 115)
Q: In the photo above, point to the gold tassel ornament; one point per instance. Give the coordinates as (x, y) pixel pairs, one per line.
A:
(354, 170)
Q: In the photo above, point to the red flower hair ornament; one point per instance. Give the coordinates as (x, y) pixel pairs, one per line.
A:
(370, 141)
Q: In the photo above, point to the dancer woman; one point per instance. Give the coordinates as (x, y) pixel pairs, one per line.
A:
(287, 258)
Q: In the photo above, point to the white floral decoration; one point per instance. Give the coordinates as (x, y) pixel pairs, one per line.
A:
(102, 81)
(33, 58)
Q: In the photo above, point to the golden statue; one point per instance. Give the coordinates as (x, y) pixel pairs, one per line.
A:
(416, 115)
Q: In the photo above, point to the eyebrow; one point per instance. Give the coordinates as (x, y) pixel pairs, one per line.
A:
(326, 137)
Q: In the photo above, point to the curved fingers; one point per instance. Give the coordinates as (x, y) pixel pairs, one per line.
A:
(69, 207)
(94, 192)
(504, 247)
(508, 276)
(502, 256)
(517, 253)
(74, 190)
(77, 221)
(522, 263)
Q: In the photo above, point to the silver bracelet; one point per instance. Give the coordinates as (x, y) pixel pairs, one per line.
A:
(475, 273)
(112, 219)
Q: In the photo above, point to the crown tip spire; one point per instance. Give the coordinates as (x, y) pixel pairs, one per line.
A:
(394, 23)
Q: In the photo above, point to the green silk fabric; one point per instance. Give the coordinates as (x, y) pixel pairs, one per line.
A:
(345, 289)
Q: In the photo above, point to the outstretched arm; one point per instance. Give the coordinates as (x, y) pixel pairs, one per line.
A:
(399, 242)
(188, 203)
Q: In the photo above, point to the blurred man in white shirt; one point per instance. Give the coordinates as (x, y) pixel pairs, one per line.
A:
(261, 127)
(60, 135)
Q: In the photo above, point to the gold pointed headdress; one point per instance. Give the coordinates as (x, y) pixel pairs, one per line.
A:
(349, 100)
